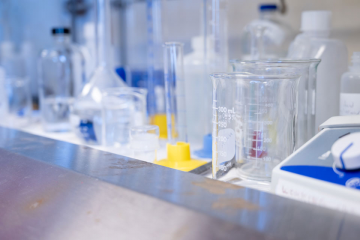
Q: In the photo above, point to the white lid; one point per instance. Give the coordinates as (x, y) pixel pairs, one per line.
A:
(346, 152)
(316, 21)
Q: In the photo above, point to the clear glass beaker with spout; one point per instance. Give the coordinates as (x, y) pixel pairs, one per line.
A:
(305, 121)
(253, 124)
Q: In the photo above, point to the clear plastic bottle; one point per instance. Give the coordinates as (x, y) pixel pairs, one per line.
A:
(276, 35)
(350, 88)
(314, 42)
(61, 77)
(86, 113)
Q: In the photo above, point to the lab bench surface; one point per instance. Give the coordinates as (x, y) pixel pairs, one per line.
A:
(51, 189)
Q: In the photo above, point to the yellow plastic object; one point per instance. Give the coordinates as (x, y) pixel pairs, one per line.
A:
(160, 121)
(178, 157)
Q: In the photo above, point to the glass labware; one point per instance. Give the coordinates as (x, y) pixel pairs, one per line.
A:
(144, 142)
(86, 112)
(253, 124)
(61, 78)
(306, 111)
(18, 106)
(122, 109)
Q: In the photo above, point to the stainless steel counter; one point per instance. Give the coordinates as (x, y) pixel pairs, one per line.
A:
(56, 190)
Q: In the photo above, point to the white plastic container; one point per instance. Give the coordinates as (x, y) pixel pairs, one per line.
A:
(350, 88)
(314, 42)
(198, 93)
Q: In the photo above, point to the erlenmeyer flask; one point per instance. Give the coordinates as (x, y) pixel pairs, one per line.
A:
(86, 113)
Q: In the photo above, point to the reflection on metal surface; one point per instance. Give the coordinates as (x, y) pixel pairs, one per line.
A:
(55, 190)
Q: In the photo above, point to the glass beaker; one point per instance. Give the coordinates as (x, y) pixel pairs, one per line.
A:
(17, 89)
(144, 141)
(305, 121)
(253, 124)
(122, 108)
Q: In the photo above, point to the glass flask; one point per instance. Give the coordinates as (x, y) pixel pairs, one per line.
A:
(122, 108)
(86, 113)
(305, 121)
(61, 77)
(253, 124)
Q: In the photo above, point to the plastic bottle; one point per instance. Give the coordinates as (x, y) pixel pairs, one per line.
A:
(350, 88)
(61, 78)
(86, 113)
(276, 36)
(197, 85)
(314, 42)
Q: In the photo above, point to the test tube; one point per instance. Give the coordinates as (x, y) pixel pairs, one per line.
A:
(144, 141)
(175, 92)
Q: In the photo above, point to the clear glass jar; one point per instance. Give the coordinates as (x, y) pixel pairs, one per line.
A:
(61, 77)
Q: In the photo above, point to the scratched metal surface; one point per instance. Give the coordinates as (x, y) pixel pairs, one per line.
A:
(56, 190)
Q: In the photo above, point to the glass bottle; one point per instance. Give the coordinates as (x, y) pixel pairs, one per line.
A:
(61, 77)
(272, 34)
(86, 113)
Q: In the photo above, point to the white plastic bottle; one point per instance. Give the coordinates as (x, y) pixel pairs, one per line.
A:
(197, 85)
(276, 35)
(314, 42)
(350, 88)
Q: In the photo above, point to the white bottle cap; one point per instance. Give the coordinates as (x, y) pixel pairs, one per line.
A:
(346, 152)
(316, 21)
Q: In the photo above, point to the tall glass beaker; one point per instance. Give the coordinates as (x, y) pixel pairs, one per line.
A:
(305, 121)
(253, 123)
